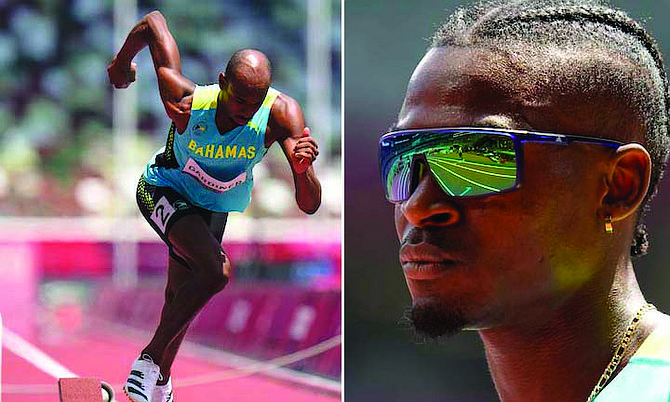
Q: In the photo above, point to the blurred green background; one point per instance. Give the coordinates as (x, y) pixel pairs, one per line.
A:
(384, 40)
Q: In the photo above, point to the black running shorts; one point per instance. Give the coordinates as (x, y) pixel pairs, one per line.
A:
(163, 206)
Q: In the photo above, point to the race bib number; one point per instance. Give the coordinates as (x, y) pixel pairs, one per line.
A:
(192, 168)
(162, 213)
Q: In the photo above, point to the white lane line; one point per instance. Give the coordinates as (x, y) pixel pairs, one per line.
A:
(267, 367)
(220, 357)
(194, 350)
(34, 356)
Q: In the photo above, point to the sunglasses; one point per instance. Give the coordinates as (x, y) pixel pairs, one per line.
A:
(465, 162)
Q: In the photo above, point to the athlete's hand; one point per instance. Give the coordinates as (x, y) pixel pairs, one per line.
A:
(121, 76)
(305, 152)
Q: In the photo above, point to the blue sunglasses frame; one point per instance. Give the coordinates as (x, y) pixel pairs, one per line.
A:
(401, 143)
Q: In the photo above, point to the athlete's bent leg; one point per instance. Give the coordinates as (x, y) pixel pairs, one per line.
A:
(178, 274)
(192, 241)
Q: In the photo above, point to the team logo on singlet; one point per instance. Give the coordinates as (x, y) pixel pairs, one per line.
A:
(199, 127)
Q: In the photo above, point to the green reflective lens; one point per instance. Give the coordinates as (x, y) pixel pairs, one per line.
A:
(464, 163)
(474, 164)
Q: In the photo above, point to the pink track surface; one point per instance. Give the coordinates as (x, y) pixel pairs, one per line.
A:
(108, 357)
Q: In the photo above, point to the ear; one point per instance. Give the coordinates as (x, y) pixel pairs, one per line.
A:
(223, 81)
(628, 181)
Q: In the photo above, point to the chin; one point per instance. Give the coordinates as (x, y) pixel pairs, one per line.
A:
(242, 120)
(436, 319)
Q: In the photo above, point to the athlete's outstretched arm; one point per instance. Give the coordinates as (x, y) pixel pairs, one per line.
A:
(288, 126)
(175, 89)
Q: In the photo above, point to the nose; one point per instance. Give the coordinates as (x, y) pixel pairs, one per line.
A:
(429, 205)
(249, 110)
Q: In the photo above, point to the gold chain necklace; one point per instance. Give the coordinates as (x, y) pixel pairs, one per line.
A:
(621, 349)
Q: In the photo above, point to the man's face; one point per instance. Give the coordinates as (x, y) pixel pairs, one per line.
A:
(489, 261)
(242, 100)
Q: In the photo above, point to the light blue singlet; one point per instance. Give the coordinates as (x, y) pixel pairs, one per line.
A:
(646, 377)
(212, 170)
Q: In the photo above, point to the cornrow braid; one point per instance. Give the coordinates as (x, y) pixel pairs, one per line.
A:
(501, 19)
(599, 15)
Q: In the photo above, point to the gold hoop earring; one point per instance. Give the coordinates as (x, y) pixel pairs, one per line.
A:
(608, 225)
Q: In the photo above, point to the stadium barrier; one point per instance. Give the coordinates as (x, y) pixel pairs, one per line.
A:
(262, 321)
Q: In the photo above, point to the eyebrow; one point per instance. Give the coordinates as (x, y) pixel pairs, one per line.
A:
(485, 123)
(496, 121)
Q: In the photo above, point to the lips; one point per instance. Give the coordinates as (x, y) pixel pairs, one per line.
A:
(424, 261)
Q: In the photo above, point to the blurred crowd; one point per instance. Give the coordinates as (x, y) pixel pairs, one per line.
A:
(56, 132)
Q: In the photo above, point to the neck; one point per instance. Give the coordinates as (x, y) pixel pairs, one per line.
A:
(223, 121)
(538, 360)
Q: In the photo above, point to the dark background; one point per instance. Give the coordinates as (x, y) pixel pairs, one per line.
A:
(384, 40)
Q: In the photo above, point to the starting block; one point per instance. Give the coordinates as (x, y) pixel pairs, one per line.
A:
(84, 390)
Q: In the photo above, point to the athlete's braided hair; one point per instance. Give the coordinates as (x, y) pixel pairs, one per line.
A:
(575, 23)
